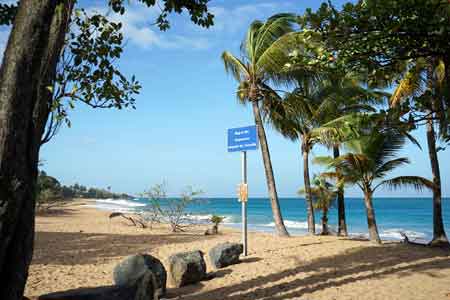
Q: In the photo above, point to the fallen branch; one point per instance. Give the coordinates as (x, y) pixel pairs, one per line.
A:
(135, 221)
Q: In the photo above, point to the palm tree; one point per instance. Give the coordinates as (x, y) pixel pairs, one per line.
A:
(347, 95)
(371, 159)
(263, 56)
(421, 78)
(324, 194)
(303, 114)
(295, 117)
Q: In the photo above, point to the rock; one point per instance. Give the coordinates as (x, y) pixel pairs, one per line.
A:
(225, 254)
(186, 268)
(212, 231)
(135, 266)
(141, 289)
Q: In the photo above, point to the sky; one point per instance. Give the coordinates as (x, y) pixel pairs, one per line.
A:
(177, 134)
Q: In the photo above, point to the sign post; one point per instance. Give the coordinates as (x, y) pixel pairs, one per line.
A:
(244, 201)
(243, 139)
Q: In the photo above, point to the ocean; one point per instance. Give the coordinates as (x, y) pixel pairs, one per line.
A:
(412, 216)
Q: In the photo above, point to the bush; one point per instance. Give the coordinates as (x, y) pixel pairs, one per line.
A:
(216, 220)
(172, 210)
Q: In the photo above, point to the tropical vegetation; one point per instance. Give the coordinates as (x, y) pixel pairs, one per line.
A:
(318, 78)
(325, 81)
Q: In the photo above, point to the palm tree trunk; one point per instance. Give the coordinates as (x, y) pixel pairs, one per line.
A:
(325, 221)
(342, 224)
(308, 193)
(28, 68)
(278, 218)
(439, 236)
(371, 222)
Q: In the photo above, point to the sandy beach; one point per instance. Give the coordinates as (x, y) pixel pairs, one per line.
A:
(79, 246)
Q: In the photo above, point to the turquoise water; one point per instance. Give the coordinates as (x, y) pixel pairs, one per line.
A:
(412, 216)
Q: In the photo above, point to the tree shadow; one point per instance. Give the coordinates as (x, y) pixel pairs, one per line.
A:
(334, 271)
(73, 248)
(56, 212)
(248, 260)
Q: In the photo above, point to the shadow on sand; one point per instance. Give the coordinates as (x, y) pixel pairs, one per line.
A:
(333, 271)
(69, 248)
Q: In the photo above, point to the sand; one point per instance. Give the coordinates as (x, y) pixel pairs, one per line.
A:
(78, 247)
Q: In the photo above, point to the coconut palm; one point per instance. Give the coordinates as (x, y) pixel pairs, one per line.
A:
(371, 158)
(263, 56)
(295, 117)
(347, 95)
(303, 114)
(324, 194)
(423, 82)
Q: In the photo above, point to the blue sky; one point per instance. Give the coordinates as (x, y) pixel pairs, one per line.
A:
(178, 131)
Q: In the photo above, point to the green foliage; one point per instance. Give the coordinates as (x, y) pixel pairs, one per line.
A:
(87, 71)
(49, 188)
(7, 13)
(48, 191)
(170, 209)
(197, 9)
(380, 33)
(263, 58)
(216, 220)
(389, 40)
(371, 158)
(323, 193)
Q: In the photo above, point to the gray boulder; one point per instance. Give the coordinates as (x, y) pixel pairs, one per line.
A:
(186, 268)
(135, 266)
(225, 254)
(141, 289)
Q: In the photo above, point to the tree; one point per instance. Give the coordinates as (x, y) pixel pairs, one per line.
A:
(49, 192)
(381, 35)
(321, 95)
(87, 72)
(349, 94)
(371, 159)
(324, 194)
(418, 97)
(27, 71)
(263, 57)
(172, 210)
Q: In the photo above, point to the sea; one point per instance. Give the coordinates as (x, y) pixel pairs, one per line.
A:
(411, 216)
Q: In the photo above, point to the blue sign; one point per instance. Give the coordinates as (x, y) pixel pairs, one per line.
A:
(242, 139)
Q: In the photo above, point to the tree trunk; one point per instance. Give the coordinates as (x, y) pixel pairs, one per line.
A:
(278, 219)
(439, 236)
(371, 222)
(342, 223)
(308, 194)
(28, 67)
(325, 221)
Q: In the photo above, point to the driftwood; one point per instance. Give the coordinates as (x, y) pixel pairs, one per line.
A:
(406, 240)
(136, 221)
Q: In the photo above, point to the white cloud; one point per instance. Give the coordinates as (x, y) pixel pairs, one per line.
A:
(235, 19)
(139, 30)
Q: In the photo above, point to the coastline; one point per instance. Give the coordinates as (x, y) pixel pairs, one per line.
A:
(395, 219)
(78, 246)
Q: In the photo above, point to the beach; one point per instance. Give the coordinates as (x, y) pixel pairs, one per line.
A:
(78, 246)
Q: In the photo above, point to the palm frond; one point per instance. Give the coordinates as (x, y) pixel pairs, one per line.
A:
(274, 28)
(390, 165)
(248, 46)
(235, 66)
(416, 182)
(326, 161)
(412, 83)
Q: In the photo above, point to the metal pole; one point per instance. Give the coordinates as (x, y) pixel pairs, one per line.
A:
(244, 203)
